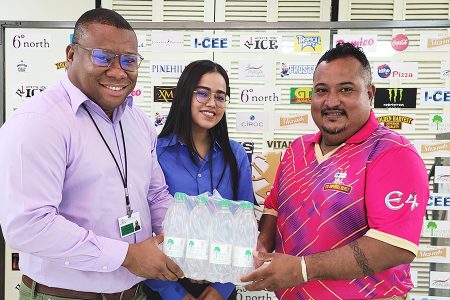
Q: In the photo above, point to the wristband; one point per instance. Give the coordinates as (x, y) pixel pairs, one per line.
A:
(304, 272)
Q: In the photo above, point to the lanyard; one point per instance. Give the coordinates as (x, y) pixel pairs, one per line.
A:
(124, 178)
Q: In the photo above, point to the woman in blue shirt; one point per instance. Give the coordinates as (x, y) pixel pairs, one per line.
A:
(197, 156)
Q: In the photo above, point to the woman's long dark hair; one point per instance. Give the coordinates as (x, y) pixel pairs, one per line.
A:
(179, 120)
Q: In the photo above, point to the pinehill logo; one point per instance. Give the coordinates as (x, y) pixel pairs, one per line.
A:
(163, 93)
(394, 122)
(301, 95)
(337, 184)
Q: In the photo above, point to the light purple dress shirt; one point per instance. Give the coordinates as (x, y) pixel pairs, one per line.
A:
(61, 194)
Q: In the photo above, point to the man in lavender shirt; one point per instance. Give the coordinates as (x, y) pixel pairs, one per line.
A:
(79, 168)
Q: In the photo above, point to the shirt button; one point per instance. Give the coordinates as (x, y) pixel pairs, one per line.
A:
(66, 263)
(199, 175)
(105, 267)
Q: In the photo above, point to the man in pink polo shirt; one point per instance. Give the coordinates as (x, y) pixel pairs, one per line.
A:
(345, 212)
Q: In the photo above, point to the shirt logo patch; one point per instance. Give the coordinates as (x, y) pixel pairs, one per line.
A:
(337, 184)
(395, 201)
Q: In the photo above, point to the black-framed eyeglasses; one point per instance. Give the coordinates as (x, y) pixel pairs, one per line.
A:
(105, 58)
(204, 95)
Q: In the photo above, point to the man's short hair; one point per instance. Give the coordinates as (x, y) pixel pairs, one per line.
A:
(99, 16)
(343, 50)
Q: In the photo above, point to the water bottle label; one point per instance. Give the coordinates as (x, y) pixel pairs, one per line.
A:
(242, 257)
(173, 246)
(220, 254)
(197, 249)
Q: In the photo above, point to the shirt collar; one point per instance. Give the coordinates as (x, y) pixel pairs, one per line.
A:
(171, 140)
(77, 97)
(360, 136)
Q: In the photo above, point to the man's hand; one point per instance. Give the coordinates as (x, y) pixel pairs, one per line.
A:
(283, 271)
(144, 259)
(210, 293)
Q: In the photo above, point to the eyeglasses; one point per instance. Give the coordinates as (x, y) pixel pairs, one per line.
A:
(105, 58)
(204, 95)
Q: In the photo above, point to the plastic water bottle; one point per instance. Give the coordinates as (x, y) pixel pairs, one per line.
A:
(245, 234)
(196, 261)
(175, 230)
(221, 244)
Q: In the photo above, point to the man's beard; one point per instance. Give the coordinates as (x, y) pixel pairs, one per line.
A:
(334, 131)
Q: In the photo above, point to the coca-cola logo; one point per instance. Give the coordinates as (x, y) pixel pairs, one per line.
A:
(400, 42)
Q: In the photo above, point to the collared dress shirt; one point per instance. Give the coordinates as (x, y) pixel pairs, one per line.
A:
(183, 175)
(61, 193)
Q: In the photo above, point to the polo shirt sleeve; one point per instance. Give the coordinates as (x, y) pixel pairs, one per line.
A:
(396, 197)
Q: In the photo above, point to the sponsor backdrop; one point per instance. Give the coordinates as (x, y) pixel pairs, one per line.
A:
(271, 78)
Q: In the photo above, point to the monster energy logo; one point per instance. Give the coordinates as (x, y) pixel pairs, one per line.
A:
(394, 93)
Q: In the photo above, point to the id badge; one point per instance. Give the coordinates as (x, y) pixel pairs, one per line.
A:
(128, 226)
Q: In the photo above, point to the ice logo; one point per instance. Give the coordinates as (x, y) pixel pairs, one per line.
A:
(384, 71)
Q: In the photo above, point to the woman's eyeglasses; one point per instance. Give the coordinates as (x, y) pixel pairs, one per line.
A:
(203, 96)
(105, 58)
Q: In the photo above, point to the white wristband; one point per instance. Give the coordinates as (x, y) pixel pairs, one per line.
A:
(304, 272)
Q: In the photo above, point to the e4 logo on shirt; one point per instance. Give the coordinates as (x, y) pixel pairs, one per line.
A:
(394, 198)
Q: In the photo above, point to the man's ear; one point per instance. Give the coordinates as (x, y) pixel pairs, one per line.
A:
(371, 92)
(69, 54)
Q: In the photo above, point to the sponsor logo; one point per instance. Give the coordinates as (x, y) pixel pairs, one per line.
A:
(257, 95)
(136, 93)
(337, 184)
(298, 71)
(394, 198)
(435, 147)
(278, 144)
(394, 122)
(289, 121)
(255, 70)
(61, 65)
(439, 123)
(440, 280)
(163, 93)
(28, 91)
(438, 42)
(259, 43)
(160, 119)
(30, 41)
(384, 71)
(308, 43)
(439, 252)
(301, 95)
(167, 41)
(400, 42)
(264, 170)
(395, 98)
(367, 41)
(256, 121)
(431, 96)
(249, 147)
(22, 67)
(211, 42)
(166, 69)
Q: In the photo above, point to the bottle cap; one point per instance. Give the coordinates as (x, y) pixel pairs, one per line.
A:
(180, 197)
(202, 199)
(246, 205)
(224, 203)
